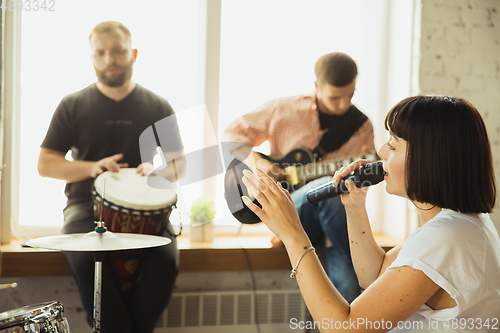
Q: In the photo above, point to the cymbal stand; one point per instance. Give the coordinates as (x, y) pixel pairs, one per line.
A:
(98, 258)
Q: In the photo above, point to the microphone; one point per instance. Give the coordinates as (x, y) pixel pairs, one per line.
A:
(367, 175)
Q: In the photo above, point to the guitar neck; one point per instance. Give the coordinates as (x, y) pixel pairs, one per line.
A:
(329, 167)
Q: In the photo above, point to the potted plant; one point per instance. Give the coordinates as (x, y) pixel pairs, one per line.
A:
(202, 216)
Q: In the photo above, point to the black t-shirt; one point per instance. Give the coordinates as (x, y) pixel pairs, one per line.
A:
(94, 126)
(340, 128)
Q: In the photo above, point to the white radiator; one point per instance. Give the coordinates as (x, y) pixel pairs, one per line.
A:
(229, 312)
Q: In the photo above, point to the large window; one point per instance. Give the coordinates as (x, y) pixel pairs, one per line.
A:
(170, 37)
(267, 50)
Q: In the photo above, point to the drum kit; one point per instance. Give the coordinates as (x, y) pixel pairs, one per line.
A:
(135, 221)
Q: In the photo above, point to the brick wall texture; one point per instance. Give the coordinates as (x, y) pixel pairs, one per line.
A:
(460, 56)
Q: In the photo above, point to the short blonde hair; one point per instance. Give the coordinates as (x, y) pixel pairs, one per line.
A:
(336, 69)
(108, 26)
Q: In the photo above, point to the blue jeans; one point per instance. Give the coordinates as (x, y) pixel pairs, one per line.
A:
(327, 219)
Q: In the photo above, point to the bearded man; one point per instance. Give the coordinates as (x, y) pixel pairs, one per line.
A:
(101, 125)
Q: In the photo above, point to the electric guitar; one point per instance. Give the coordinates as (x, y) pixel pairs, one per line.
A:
(299, 167)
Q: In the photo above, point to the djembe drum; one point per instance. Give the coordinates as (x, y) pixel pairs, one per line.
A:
(130, 205)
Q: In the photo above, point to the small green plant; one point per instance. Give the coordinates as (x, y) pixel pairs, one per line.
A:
(202, 211)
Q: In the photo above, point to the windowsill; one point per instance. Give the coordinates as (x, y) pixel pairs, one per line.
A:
(224, 253)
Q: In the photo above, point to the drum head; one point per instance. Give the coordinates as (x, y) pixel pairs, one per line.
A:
(129, 189)
(17, 316)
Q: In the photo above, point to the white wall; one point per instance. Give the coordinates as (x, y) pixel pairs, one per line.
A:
(460, 55)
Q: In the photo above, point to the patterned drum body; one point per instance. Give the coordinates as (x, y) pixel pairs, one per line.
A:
(39, 318)
(130, 205)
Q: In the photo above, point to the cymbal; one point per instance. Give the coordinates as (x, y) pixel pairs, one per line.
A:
(94, 241)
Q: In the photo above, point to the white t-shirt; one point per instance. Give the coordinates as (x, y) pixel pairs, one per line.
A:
(461, 254)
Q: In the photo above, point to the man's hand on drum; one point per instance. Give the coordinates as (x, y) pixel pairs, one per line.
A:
(146, 169)
(107, 164)
(278, 211)
(174, 170)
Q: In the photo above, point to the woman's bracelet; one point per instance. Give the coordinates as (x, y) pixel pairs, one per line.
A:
(292, 274)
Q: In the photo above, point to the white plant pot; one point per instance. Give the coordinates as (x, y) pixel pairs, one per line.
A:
(202, 232)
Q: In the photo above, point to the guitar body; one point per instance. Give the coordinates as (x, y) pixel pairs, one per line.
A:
(299, 166)
(234, 189)
(298, 156)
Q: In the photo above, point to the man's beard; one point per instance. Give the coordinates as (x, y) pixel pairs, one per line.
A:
(115, 80)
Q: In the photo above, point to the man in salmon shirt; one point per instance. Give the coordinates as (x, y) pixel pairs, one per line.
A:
(327, 123)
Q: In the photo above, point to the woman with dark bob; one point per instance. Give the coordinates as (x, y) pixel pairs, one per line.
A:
(446, 276)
